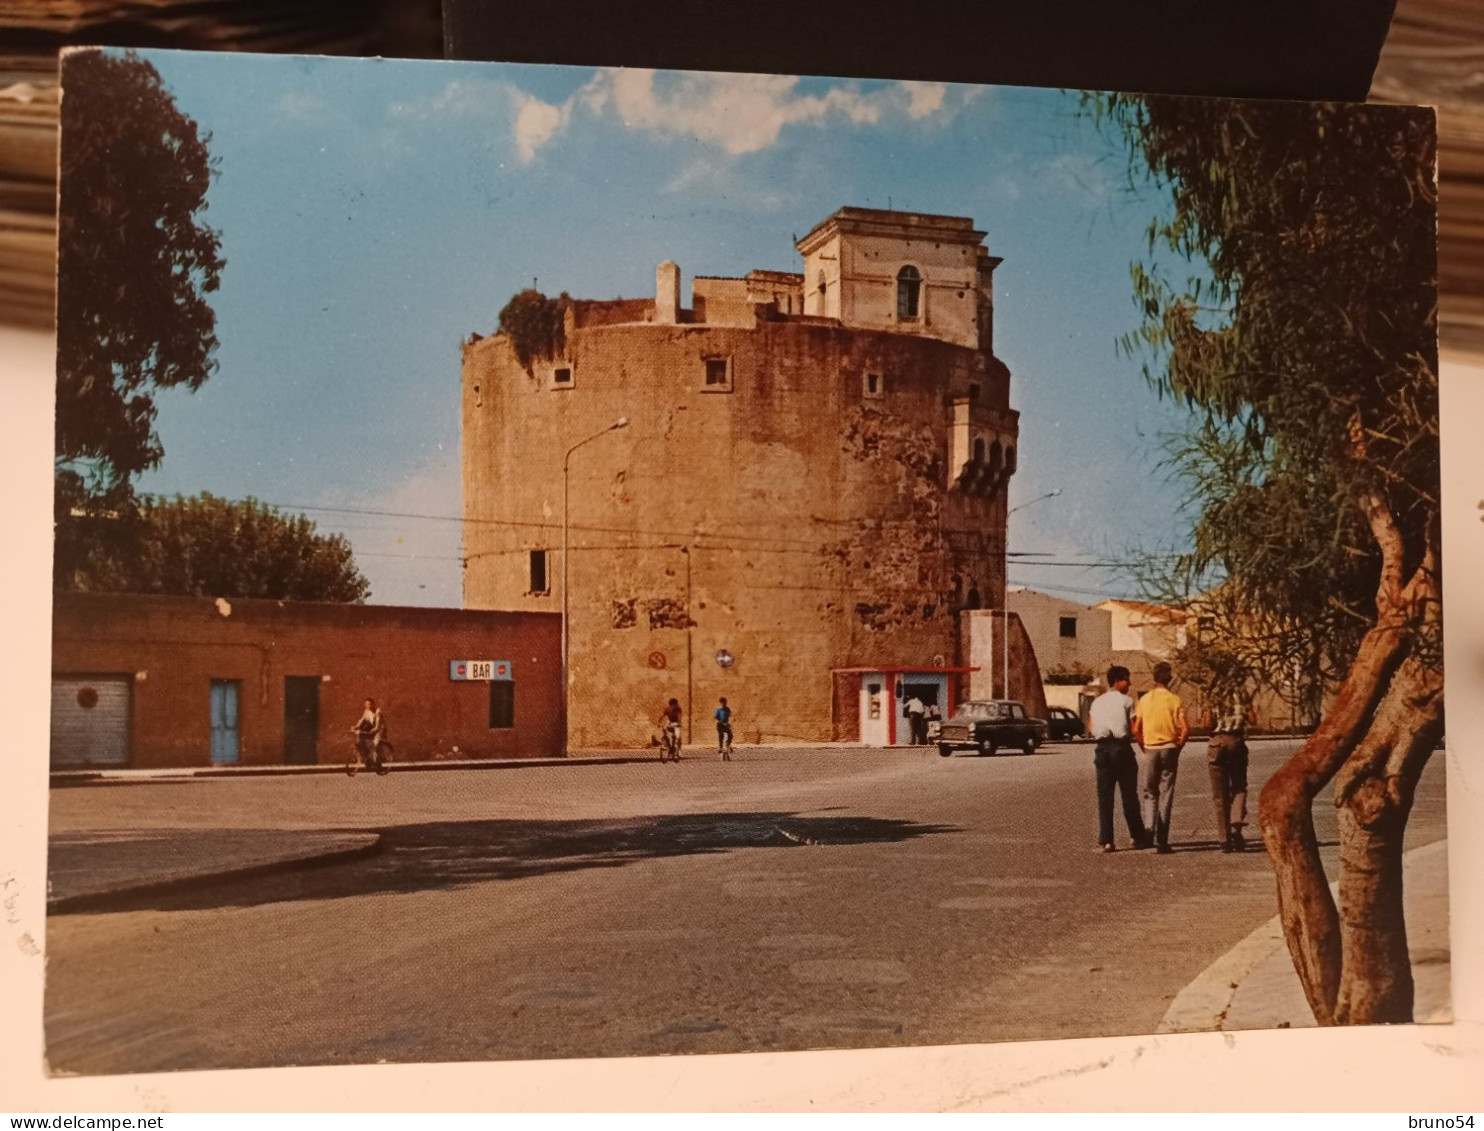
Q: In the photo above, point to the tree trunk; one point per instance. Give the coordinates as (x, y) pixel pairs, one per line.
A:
(1311, 923)
(1374, 792)
(1376, 967)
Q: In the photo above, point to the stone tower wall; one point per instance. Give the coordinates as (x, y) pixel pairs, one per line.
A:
(786, 513)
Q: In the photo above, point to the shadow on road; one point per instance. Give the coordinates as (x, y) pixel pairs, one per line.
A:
(1254, 844)
(450, 854)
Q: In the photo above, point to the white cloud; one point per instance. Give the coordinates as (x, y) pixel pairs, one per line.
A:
(535, 124)
(531, 121)
(745, 113)
(737, 114)
(925, 98)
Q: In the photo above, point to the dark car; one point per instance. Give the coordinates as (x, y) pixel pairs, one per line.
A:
(1063, 723)
(988, 725)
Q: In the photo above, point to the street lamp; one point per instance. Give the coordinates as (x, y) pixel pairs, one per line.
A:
(621, 422)
(1037, 499)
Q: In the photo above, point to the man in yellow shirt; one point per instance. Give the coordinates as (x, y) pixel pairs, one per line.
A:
(1161, 729)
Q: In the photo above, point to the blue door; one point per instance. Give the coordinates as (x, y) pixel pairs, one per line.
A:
(224, 720)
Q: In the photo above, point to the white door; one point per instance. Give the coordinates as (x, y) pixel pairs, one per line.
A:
(875, 700)
(90, 721)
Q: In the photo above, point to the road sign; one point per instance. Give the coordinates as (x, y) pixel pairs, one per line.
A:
(725, 659)
(483, 670)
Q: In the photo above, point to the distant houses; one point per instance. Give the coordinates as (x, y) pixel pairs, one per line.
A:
(1076, 644)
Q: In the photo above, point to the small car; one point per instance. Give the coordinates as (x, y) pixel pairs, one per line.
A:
(988, 725)
(1063, 723)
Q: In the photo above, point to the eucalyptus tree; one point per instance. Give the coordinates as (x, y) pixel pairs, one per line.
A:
(1289, 302)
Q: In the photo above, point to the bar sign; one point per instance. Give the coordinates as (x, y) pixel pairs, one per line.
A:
(486, 670)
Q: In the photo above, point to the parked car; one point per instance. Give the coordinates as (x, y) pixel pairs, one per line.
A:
(988, 725)
(1063, 723)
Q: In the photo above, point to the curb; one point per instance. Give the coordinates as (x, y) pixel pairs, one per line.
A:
(1203, 1005)
(66, 778)
(111, 899)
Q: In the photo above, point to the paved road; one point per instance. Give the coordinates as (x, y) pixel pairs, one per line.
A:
(787, 900)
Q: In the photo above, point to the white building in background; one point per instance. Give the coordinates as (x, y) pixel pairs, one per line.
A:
(1137, 626)
(1069, 640)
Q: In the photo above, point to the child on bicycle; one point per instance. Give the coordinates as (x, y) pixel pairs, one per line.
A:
(669, 722)
(370, 738)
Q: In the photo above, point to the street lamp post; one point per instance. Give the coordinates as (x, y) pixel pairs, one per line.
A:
(1005, 644)
(621, 422)
(1037, 499)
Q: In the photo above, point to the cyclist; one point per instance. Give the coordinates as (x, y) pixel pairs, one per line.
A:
(723, 715)
(370, 735)
(670, 731)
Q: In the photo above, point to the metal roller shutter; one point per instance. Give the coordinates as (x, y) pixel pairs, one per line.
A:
(90, 721)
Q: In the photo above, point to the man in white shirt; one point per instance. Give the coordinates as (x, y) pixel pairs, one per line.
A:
(1110, 724)
(917, 719)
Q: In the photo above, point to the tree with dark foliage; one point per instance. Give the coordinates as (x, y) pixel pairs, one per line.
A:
(136, 264)
(1304, 344)
(209, 547)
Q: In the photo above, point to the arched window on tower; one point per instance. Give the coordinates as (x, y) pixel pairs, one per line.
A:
(823, 287)
(973, 601)
(909, 292)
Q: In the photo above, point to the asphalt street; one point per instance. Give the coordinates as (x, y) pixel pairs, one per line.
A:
(790, 899)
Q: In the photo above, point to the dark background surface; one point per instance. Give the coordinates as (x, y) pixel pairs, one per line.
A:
(1324, 49)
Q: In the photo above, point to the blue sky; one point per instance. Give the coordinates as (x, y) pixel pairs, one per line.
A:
(374, 213)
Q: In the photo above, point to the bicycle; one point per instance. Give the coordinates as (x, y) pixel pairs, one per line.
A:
(670, 743)
(376, 760)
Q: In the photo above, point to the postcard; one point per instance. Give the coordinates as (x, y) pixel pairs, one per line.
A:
(559, 562)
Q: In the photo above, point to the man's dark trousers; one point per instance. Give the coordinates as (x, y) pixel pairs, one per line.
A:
(1116, 768)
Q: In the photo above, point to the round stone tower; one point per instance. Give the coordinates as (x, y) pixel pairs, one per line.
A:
(812, 478)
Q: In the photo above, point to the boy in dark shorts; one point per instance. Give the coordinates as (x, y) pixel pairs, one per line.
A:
(723, 715)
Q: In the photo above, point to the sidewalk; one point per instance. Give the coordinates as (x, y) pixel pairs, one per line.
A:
(94, 870)
(91, 776)
(1254, 986)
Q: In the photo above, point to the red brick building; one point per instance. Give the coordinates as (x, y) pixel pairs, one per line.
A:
(144, 681)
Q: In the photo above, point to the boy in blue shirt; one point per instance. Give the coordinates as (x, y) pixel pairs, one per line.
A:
(723, 715)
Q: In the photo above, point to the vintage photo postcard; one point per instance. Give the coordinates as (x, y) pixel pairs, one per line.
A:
(558, 562)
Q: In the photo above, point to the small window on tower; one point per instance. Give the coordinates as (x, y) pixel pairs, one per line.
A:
(540, 583)
(875, 385)
(1069, 627)
(561, 377)
(718, 375)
